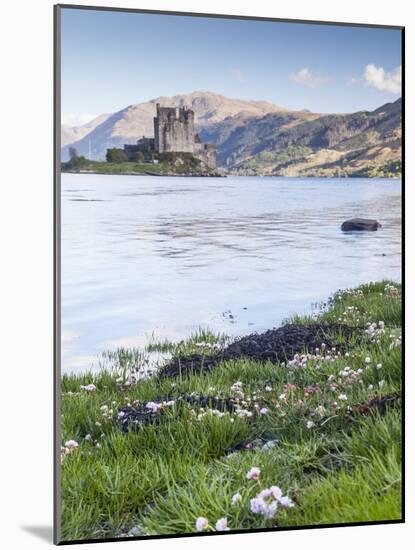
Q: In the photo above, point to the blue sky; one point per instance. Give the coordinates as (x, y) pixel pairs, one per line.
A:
(113, 59)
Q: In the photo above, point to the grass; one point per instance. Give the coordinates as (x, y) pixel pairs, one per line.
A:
(103, 167)
(338, 460)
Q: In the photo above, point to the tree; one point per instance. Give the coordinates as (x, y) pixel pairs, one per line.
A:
(137, 157)
(76, 163)
(116, 155)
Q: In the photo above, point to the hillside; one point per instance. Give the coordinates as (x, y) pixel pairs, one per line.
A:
(70, 134)
(260, 138)
(131, 123)
(292, 144)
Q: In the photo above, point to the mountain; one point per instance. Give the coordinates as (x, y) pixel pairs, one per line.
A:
(258, 137)
(70, 134)
(301, 143)
(135, 121)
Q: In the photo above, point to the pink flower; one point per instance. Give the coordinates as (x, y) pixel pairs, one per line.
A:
(253, 473)
(201, 524)
(258, 505)
(222, 525)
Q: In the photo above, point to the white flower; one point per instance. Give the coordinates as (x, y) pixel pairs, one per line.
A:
(310, 424)
(264, 410)
(286, 502)
(342, 397)
(237, 497)
(71, 444)
(222, 524)
(276, 492)
(282, 397)
(379, 366)
(88, 437)
(201, 524)
(268, 388)
(258, 505)
(381, 383)
(253, 473)
(154, 407)
(89, 387)
(368, 360)
(271, 509)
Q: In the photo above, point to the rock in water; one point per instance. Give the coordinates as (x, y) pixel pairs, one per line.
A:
(360, 224)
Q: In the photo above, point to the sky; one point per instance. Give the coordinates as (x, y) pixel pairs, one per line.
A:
(114, 59)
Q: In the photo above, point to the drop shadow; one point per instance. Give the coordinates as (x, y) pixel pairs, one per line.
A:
(43, 532)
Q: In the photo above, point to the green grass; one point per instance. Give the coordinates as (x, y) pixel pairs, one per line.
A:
(103, 167)
(160, 478)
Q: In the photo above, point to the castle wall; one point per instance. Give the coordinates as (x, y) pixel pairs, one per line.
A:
(174, 131)
(207, 154)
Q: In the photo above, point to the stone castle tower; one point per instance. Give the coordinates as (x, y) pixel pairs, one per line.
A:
(174, 130)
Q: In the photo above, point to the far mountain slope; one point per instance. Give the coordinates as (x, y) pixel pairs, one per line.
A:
(293, 143)
(256, 137)
(131, 123)
(70, 134)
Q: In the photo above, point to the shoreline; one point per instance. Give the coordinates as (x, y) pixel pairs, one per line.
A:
(160, 174)
(153, 174)
(314, 425)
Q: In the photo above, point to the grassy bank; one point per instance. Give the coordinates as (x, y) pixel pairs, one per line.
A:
(324, 428)
(132, 168)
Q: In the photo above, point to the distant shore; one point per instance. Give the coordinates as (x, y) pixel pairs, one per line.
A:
(157, 174)
(139, 172)
(135, 169)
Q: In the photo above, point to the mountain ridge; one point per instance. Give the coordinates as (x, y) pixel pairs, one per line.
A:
(261, 138)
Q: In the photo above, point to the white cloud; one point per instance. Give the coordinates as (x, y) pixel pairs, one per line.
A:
(77, 119)
(382, 80)
(305, 77)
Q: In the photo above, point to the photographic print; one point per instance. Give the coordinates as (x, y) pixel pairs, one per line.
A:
(228, 274)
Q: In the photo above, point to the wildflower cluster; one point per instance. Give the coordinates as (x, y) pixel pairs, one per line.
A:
(202, 524)
(265, 503)
(268, 500)
(350, 376)
(354, 293)
(350, 316)
(135, 375)
(106, 412)
(392, 291)
(321, 354)
(208, 345)
(89, 388)
(396, 340)
(375, 331)
(69, 447)
(156, 407)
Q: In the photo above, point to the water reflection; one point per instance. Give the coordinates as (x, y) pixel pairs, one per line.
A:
(152, 254)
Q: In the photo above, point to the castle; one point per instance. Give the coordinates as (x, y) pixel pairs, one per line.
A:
(174, 131)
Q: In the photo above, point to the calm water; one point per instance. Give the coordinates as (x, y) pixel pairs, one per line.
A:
(145, 256)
